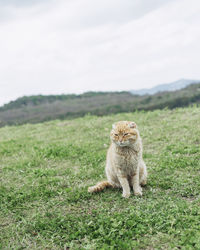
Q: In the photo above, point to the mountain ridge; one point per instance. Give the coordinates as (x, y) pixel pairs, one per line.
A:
(34, 109)
(172, 86)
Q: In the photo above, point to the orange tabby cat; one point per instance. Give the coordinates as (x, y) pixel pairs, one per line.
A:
(124, 164)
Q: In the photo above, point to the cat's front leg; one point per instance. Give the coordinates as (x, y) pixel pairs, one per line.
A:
(136, 184)
(125, 186)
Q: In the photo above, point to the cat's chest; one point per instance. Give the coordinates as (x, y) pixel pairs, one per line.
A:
(127, 162)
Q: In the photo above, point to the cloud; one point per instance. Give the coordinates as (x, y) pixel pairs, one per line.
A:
(76, 46)
(21, 3)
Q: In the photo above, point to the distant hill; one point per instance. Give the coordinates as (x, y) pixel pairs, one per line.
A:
(33, 109)
(180, 84)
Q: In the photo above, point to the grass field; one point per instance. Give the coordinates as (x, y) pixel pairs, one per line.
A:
(45, 170)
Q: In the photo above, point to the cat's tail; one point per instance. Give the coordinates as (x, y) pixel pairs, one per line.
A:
(99, 187)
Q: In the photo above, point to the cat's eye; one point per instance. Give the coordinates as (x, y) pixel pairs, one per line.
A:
(125, 134)
(116, 134)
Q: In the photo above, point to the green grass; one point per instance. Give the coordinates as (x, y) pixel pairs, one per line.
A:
(45, 170)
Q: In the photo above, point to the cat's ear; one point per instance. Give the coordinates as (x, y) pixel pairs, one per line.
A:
(132, 125)
(113, 126)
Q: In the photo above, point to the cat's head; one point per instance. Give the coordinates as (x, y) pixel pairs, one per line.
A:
(124, 133)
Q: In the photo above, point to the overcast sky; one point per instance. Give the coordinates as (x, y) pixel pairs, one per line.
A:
(73, 46)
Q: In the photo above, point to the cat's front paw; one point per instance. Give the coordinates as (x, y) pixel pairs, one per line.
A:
(138, 192)
(126, 195)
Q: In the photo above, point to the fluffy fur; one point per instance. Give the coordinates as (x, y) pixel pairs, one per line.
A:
(124, 164)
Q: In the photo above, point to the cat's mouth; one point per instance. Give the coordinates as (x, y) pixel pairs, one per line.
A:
(122, 144)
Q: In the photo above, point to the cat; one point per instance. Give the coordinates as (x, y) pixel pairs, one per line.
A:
(124, 163)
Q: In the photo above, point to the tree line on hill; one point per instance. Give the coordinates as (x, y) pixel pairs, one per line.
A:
(34, 109)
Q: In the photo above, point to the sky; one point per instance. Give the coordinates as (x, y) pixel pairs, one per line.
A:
(74, 46)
